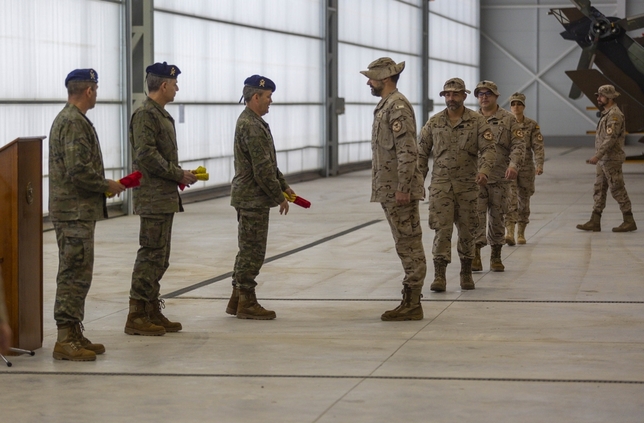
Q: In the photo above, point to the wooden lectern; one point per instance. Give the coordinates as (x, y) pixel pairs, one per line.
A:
(21, 239)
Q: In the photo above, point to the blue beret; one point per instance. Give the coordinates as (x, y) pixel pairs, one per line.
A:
(261, 82)
(89, 75)
(163, 70)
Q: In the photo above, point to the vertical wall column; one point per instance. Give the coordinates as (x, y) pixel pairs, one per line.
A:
(139, 40)
(427, 104)
(334, 104)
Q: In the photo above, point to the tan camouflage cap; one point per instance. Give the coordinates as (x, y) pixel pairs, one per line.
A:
(517, 97)
(486, 84)
(454, 85)
(383, 68)
(607, 91)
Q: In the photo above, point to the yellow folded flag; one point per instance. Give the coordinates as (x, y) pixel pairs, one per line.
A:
(202, 176)
(200, 171)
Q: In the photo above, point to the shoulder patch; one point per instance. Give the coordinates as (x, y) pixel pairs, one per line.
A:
(396, 126)
(540, 137)
(400, 106)
(609, 130)
(518, 133)
(488, 135)
(537, 127)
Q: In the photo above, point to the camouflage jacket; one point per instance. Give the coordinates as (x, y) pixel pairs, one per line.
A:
(77, 183)
(394, 163)
(611, 135)
(155, 154)
(456, 150)
(257, 182)
(510, 146)
(533, 143)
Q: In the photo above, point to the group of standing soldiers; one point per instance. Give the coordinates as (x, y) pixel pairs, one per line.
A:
(482, 178)
(484, 168)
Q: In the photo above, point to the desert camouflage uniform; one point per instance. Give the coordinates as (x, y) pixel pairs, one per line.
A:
(493, 198)
(453, 191)
(522, 188)
(394, 167)
(257, 186)
(609, 149)
(77, 187)
(155, 154)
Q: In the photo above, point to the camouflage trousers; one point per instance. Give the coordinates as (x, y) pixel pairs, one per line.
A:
(447, 209)
(520, 191)
(153, 257)
(404, 222)
(75, 240)
(252, 235)
(492, 207)
(609, 175)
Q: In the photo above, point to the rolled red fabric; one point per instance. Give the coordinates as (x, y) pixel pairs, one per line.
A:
(132, 180)
(302, 202)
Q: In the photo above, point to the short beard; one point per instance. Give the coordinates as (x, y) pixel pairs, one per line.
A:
(453, 105)
(376, 92)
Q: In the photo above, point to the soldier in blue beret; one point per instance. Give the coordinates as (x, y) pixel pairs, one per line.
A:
(257, 186)
(77, 188)
(153, 138)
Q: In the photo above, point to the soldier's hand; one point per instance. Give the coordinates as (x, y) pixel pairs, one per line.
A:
(481, 179)
(284, 207)
(114, 187)
(511, 173)
(5, 338)
(402, 198)
(189, 178)
(538, 171)
(592, 160)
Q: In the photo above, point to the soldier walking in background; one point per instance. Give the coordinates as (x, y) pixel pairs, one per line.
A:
(522, 188)
(609, 156)
(77, 188)
(493, 197)
(153, 138)
(397, 183)
(257, 186)
(457, 137)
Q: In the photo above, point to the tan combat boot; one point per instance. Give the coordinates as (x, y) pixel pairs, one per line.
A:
(249, 308)
(157, 317)
(138, 322)
(521, 233)
(231, 308)
(466, 274)
(628, 225)
(477, 264)
(78, 329)
(495, 259)
(409, 309)
(69, 348)
(509, 233)
(440, 280)
(594, 224)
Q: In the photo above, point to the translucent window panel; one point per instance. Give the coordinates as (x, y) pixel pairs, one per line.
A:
(216, 58)
(298, 16)
(383, 24)
(43, 40)
(466, 11)
(443, 32)
(352, 85)
(207, 136)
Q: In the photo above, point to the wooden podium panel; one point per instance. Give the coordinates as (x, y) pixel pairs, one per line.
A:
(21, 255)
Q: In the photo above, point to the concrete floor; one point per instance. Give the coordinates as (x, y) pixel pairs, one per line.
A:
(559, 336)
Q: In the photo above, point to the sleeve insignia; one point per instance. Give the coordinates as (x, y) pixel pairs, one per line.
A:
(537, 127)
(396, 126)
(609, 130)
(518, 133)
(540, 137)
(488, 135)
